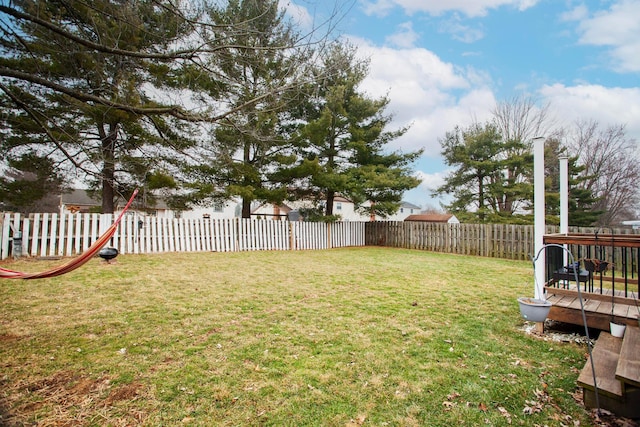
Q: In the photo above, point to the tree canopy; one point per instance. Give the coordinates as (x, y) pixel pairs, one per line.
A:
(247, 151)
(77, 84)
(482, 189)
(492, 179)
(118, 93)
(345, 136)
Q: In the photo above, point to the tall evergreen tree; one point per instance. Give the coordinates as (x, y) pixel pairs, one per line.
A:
(77, 79)
(479, 181)
(260, 65)
(581, 201)
(346, 138)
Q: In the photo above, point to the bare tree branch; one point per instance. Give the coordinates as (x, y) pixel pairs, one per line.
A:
(612, 168)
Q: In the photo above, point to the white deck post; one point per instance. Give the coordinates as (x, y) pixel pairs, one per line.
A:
(539, 214)
(564, 201)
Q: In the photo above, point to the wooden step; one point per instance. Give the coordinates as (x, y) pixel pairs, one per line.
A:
(617, 366)
(628, 369)
(605, 356)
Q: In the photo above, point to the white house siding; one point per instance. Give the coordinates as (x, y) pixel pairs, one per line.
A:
(231, 209)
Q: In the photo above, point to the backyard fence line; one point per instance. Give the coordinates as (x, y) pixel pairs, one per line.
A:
(59, 235)
(509, 241)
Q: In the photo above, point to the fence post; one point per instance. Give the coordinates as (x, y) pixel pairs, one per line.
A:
(291, 247)
(4, 236)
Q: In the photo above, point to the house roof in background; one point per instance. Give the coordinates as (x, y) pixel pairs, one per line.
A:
(80, 197)
(429, 217)
(409, 205)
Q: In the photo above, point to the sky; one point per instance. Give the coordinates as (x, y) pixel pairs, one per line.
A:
(446, 63)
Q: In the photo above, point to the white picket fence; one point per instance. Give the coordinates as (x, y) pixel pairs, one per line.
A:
(55, 235)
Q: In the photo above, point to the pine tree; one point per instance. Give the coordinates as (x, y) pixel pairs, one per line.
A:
(76, 87)
(250, 151)
(346, 138)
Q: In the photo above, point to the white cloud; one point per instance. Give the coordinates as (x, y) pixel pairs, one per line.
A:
(431, 181)
(459, 31)
(405, 37)
(422, 195)
(427, 94)
(378, 8)
(617, 28)
(578, 13)
(299, 14)
(437, 7)
(606, 105)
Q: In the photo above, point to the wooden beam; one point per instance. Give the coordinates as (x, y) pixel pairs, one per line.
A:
(615, 240)
(566, 315)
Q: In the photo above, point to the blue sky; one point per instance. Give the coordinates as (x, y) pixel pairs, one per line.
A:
(444, 63)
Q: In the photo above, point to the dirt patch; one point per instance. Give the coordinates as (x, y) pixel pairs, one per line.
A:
(69, 398)
(7, 338)
(607, 419)
(126, 392)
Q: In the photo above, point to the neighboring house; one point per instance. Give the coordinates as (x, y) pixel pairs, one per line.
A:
(346, 209)
(405, 210)
(77, 201)
(80, 201)
(227, 210)
(441, 218)
(270, 211)
(342, 207)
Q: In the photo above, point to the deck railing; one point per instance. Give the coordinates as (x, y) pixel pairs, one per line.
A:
(608, 263)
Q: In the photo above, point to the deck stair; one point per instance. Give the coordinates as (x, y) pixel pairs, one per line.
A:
(617, 367)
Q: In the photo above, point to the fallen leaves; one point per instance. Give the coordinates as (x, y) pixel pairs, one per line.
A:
(358, 421)
(604, 418)
(537, 405)
(505, 414)
(450, 402)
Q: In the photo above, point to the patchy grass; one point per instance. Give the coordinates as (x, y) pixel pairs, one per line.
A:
(346, 337)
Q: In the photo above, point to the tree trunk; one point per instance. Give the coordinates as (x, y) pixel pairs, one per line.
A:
(329, 208)
(246, 158)
(246, 208)
(481, 198)
(108, 168)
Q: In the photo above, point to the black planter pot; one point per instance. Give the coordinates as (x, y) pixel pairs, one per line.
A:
(595, 265)
(108, 254)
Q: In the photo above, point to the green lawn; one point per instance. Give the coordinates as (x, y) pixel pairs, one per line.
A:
(345, 337)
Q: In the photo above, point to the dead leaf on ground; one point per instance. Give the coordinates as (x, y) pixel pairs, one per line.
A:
(448, 405)
(358, 421)
(505, 414)
(453, 395)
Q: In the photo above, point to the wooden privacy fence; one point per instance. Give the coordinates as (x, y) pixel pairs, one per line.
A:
(491, 240)
(53, 235)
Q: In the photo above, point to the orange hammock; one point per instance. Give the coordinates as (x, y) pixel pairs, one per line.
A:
(76, 262)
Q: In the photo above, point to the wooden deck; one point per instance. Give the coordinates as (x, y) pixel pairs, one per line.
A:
(620, 256)
(566, 307)
(605, 294)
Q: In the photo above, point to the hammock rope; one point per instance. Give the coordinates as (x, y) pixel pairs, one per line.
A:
(75, 262)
